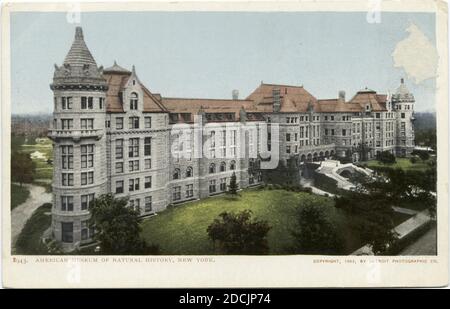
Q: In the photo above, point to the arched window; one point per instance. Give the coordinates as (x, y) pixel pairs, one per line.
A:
(212, 168)
(189, 172)
(223, 166)
(133, 100)
(232, 165)
(176, 174)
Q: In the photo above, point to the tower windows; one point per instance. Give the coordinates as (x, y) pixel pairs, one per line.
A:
(87, 124)
(87, 201)
(212, 168)
(67, 232)
(67, 203)
(67, 179)
(101, 102)
(66, 102)
(87, 156)
(87, 178)
(66, 157)
(87, 102)
(133, 101)
(66, 124)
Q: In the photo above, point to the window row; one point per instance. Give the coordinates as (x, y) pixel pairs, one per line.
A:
(133, 184)
(87, 231)
(135, 204)
(86, 202)
(133, 147)
(133, 122)
(86, 178)
(87, 156)
(85, 103)
(222, 167)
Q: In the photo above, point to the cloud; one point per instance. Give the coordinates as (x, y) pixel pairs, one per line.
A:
(416, 55)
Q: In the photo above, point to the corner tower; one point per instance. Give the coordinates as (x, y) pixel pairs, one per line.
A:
(403, 104)
(79, 147)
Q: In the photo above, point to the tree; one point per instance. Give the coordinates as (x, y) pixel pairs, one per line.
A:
(315, 233)
(386, 157)
(239, 234)
(233, 187)
(117, 227)
(22, 168)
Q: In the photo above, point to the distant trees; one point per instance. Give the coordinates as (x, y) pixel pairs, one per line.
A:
(22, 168)
(315, 233)
(117, 227)
(386, 157)
(237, 233)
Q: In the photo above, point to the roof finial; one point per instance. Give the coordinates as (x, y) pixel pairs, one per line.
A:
(78, 33)
(402, 80)
(133, 70)
(115, 63)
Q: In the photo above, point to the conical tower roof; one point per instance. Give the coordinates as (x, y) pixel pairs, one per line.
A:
(402, 93)
(79, 54)
(79, 70)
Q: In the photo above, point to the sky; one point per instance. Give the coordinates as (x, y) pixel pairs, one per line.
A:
(208, 54)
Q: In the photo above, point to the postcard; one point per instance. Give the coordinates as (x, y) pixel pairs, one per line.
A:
(219, 144)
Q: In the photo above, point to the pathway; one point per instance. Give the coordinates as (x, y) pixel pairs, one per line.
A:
(21, 213)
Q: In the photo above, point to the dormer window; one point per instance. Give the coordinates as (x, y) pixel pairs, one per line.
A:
(134, 101)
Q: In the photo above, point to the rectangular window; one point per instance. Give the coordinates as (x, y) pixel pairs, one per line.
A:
(189, 190)
(176, 193)
(119, 148)
(101, 102)
(147, 146)
(67, 232)
(133, 165)
(288, 149)
(119, 123)
(344, 132)
(223, 184)
(148, 182)
(148, 203)
(67, 179)
(133, 147)
(212, 186)
(403, 115)
(119, 186)
(133, 122)
(67, 157)
(288, 137)
(148, 164)
(133, 185)
(66, 124)
(84, 229)
(87, 178)
(119, 167)
(83, 102)
(87, 124)
(90, 102)
(148, 122)
(87, 201)
(87, 156)
(67, 203)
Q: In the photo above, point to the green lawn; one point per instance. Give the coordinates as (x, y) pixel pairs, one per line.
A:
(182, 229)
(43, 169)
(18, 195)
(29, 241)
(403, 163)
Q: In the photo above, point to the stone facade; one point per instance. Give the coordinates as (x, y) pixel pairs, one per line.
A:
(112, 135)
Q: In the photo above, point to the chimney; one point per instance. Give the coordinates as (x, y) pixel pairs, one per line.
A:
(342, 95)
(235, 94)
(402, 80)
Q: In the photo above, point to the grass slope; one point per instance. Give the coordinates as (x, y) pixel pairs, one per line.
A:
(402, 163)
(28, 241)
(182, 229)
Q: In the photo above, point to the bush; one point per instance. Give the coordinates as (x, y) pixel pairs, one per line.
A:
(413, 160)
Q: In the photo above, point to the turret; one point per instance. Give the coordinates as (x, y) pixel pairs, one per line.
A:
(403, 105)
(78, 134)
